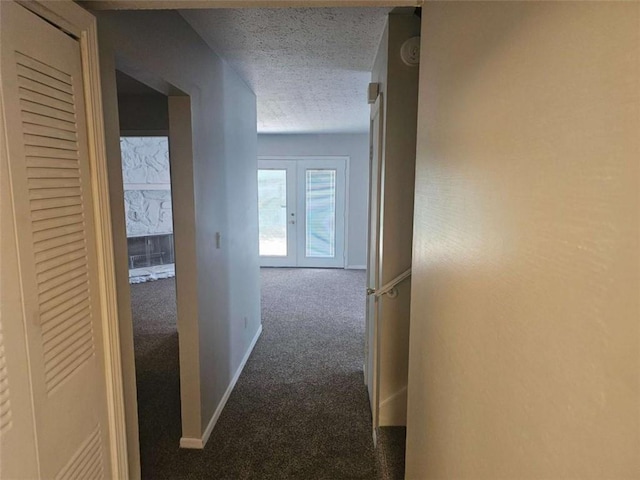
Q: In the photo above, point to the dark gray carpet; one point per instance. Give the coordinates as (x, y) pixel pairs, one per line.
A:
(390, 452)
(300, 408)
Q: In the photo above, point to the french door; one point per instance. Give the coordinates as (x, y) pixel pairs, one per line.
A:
(301, 207)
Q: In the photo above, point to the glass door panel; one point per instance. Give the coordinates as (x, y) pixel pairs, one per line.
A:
(320, 213)
(272, 212)
(322, 185)
(277, 213)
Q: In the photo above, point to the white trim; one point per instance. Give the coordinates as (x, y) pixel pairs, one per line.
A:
(347, 183)
(355, 267)
(199, 443)
(193, 443)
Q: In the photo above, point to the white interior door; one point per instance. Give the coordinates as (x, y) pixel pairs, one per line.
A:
(373, 261)
(56, 312)
(302, 212)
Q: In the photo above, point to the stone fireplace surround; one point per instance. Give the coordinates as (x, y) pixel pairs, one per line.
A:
(148, 213)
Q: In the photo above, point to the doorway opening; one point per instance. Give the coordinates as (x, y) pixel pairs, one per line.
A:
(151, 257)
(147, 203)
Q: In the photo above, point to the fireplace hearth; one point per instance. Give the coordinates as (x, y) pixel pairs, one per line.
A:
(150, 250)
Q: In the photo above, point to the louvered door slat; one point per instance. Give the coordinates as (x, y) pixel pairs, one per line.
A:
(45, 101)
(62, 366)
(42, 141)
(44, 68)
(34, 74)
(78, 335)
(59, 251)
(61, 309)
(45, 121)
(48, 162)
(45, 112)
(36, 183)
(58, 326)
(95, 471)
(52, 172)
(71, 291)
(48, 131)
(64, 286)
(54, 203)
(46, 193)
(55, 212)
(58, 232)
(45, 89)
(82, 465)
(35, 151)
(59, 272)
(78, 252)
(61, 221)
(5, 394)
(61, 342)
(47, 285)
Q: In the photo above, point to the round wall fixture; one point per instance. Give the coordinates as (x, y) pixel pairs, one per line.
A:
(410, 51)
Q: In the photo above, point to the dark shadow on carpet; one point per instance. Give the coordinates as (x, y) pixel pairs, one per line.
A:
(300, 408)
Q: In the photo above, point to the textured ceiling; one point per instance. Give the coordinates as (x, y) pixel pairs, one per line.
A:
(309, 68)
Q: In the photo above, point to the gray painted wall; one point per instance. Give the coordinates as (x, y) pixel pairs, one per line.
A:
(147, 113)
(355, 146)
(225, 184)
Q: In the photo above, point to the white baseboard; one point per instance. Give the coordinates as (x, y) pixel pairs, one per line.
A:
(355, 267)
(194, 443)
(199, 443)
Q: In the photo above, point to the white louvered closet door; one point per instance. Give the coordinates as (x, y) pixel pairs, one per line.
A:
(46, 132)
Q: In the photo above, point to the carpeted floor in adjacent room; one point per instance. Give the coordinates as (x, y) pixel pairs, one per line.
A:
(300, 408)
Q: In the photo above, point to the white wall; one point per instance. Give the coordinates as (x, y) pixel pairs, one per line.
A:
(223, 114)
(356, 147)
(524, 356)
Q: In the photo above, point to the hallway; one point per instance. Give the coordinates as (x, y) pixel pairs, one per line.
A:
(299, 409)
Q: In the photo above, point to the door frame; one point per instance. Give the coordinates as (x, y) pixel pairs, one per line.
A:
(374, 259)
(81, 25)
(347, 161)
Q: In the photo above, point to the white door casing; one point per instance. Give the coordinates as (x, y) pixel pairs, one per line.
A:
(372, 368)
